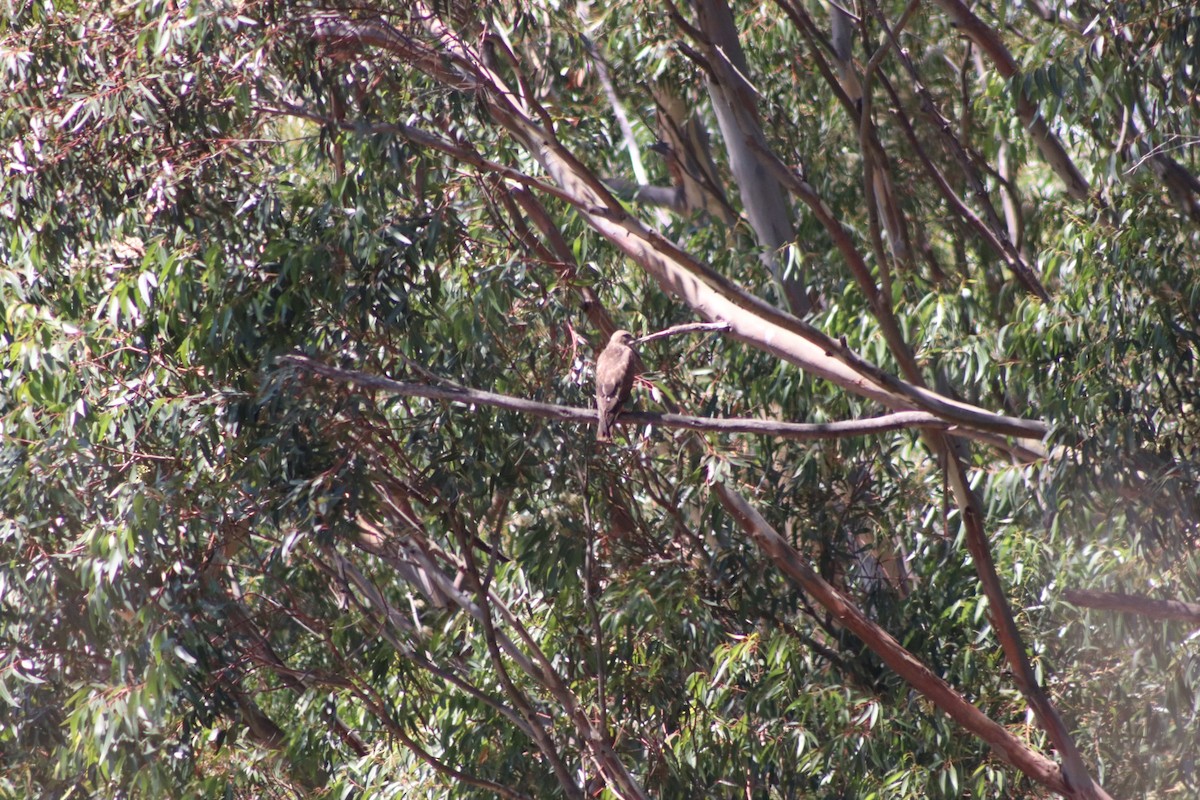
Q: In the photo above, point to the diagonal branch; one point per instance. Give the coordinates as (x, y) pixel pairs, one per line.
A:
(527, 720)
(597, 740)
(918, 675)
(1051, 148)
(713, 296)
(733, 103)
(991, 230)
(1075, 772)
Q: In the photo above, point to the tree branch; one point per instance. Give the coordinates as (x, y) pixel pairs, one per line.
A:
(597, 741)
(1134, 604)
(587, 416)
(1051, 148)
(518, 698)
(733, 102)
(713, 296)
(918, 675)
(1074, 772)
(690, 327)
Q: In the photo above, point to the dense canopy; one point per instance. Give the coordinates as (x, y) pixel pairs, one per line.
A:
(300, 492)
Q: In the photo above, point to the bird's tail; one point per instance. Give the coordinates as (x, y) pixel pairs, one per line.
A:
(603, 426)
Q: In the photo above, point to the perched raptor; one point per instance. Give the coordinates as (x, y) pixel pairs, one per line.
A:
(614, 380)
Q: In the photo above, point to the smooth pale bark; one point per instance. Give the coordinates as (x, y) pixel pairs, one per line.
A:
(733, 104)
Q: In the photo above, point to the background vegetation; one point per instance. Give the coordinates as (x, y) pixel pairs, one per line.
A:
(227, 574)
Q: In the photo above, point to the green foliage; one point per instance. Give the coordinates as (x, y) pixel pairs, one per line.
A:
(181, 515)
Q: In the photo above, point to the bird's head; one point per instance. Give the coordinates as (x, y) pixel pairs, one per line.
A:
(623, 337)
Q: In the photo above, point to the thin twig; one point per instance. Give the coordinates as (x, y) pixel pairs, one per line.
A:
(686, 328)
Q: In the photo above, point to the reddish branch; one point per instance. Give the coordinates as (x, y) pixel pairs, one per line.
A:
(1075, 772)
(905, 664)
(989, 41)
(1075, 777)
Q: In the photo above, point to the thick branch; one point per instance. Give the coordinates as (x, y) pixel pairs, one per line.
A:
(1075, 772)
(907, 666)
(734, 106)
(713, 296)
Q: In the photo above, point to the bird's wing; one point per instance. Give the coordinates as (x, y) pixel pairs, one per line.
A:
(610, 374)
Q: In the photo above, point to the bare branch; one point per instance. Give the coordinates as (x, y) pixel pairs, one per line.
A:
(618, 108)
(597, 740)
(690, 327)
(904, 663)
(734, 105)
(991, 231)
(587, 416)
(1075, 772)
(424, 138)
(449, 771)
(565, 264)
(492, 638)
(262, 652)
(1134, 604)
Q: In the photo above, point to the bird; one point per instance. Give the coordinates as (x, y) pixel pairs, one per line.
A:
(614, 381)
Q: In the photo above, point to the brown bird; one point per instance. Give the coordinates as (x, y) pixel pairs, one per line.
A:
(614, 380)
